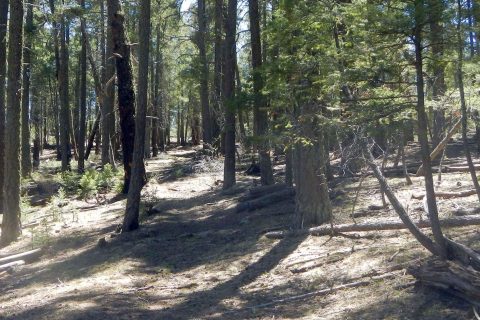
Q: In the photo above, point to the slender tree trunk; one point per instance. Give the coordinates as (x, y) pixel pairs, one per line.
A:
(423, 135)
(217, 98)
(260, 114)
(83, 98)
(229, 94)
(64, 96)
(3, 71)
(11, 225)
(130, 222)
(108, 113)
(126, 94)
(28, 46)
(206, 114)
(435, 10)
(463, 103)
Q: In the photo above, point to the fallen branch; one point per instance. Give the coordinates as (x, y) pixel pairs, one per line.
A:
(460, 168)
(27, 256)
(10, 265)
(261, 191)
(326, 230)
(448, 195)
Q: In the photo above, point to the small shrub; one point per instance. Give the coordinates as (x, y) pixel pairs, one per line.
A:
(88, 184)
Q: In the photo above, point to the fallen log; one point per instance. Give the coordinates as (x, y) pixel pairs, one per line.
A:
(460, 168)
(326, 230)
(451, 277)
(10, 265)
(267, 200)
(448, 195)
(27, 256)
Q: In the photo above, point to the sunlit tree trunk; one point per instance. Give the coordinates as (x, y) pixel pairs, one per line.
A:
(3, 70)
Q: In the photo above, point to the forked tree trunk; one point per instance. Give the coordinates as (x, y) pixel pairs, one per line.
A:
(11, 225)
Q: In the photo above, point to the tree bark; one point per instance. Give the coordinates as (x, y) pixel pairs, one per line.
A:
(422, 133)
(11, 225)
(3, 70)
(27, 70)
(260, 105)
(126, 94)
(63, 82)
(229, 94)
(130, 221)
(83, 97)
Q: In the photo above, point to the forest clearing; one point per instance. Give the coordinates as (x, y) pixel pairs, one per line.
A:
(239, 159)
(197, 257)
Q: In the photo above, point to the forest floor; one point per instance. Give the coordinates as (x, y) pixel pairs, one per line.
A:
(195, 257)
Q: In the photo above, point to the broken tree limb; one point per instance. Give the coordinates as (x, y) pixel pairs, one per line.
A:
(27, 256)
(374, 226)
(460, 168)
(439, 148)
(266, 200)
(448, 195)
(10, 265)
(451, 277)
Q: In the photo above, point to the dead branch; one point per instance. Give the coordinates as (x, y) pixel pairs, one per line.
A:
(266, 200)
(10, 265)
(448, 195)
(27, 256)
(374, 226)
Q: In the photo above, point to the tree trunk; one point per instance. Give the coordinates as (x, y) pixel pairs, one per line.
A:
(126, 94)
(463, 103)
(108, 113)
(217, 94)
(229, 94)
(64, 96)
(28, 47)
(11, 225)
(3, 70)
(130, 221)
(259, 109)
(206, 114)
(423, 135)
(83, 98)
(313, 205)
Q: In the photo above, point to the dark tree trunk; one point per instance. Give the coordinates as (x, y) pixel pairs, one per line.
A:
(11, 225)
(83, 98)
(64, 96)
(27, 58)
(260, 114)
(3, 70)
(108, 113)
(229, 94)
(130, 221)
(423, 135)
(217, 98)
(126, 94)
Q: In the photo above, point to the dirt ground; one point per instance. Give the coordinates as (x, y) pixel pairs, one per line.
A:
(196, 258)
